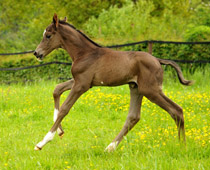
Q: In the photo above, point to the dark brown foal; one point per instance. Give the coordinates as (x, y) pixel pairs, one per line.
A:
(94, 65)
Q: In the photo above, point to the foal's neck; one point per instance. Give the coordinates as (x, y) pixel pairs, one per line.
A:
(75, 43)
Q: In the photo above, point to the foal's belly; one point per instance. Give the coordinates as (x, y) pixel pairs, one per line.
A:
(113, 78)
(114, 70)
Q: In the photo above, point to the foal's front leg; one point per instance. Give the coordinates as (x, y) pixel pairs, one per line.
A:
(75, 93)
(60, 88)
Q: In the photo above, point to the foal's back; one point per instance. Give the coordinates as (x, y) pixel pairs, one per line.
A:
(121, 67)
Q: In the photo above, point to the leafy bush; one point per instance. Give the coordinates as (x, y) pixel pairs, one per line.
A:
(199, 33)
(142, 21)
(128, 21)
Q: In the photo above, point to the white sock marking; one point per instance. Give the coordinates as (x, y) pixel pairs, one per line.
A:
(59, 131)
(47, 138)
(55, 114)
(112, 146)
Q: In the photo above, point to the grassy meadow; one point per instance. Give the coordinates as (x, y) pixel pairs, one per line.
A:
(26, 115)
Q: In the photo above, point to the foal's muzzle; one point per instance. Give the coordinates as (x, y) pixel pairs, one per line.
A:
(38, 56)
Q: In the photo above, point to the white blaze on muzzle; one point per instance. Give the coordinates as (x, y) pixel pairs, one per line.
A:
(44, 32)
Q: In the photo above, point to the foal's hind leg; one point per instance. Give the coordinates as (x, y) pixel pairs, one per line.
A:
(60, 88)
(172, 108)
(132, 118)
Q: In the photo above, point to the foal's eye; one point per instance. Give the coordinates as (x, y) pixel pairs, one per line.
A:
(48, 36)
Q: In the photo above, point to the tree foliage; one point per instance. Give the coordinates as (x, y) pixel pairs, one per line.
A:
(151, 19)
(22, 22)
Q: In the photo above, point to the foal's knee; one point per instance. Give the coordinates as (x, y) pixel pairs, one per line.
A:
(57, 91)
(133, 119)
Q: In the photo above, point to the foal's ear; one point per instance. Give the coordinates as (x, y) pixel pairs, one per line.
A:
(55, 20)
(65, 19)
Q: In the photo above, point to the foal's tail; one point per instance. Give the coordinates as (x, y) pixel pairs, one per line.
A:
(178, 70)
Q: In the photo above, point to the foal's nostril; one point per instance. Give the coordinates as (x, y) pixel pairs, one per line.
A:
(35, 53)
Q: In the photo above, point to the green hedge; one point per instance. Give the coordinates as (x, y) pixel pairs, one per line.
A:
(174, 51)
(48, 72)
(178, 52)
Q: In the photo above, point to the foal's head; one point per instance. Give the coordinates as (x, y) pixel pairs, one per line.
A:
(51, 39)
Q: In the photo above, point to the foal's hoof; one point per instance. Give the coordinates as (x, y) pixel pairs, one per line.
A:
(61, 135)
(36, 148)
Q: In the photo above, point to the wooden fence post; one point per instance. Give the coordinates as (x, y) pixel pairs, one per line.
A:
(150, 47)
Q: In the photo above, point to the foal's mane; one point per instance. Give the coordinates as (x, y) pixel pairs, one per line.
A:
(65, 23)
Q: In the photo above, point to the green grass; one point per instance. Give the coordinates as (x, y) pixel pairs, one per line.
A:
(26, 115)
